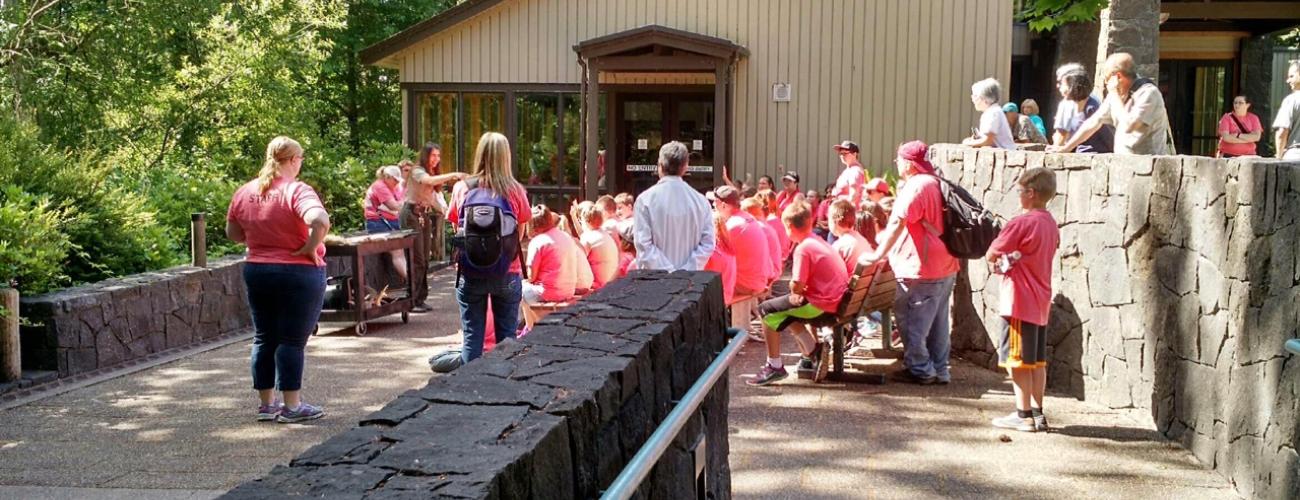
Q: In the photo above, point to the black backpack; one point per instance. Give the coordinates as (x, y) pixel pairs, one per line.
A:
(969, 228)
(487, 234)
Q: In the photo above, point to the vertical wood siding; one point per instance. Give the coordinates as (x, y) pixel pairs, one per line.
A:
(877, 71)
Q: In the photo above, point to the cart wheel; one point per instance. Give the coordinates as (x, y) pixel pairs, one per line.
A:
(406, 317)
(360, 329)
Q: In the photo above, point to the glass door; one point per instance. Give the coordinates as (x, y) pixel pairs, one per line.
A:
(647, 121)
(1197, 93)
(693, 125)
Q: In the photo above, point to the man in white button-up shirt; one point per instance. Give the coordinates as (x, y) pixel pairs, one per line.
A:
(672, 222)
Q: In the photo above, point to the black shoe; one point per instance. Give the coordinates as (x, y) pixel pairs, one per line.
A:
(906, 375)
(420, 308)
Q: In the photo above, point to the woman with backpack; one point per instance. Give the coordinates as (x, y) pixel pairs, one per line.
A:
(488, 208)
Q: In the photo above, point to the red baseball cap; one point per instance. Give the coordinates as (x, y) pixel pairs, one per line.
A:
(878, 184)
(917, 152)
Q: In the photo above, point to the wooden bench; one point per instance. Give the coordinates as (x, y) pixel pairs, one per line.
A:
(871, 288)
(544, 308)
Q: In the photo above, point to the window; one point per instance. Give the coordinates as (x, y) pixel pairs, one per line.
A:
(437, 113)
(573, 132)
(537, 151)
(483, 113)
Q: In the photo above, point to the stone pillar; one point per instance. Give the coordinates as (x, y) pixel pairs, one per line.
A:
(1131, 26)
(1256, 83)
(1077, 43)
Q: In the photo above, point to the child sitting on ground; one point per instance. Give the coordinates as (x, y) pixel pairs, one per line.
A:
(1023, 253)
(817, 284)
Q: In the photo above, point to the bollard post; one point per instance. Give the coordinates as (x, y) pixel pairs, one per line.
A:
(11, 364)
(198, 239)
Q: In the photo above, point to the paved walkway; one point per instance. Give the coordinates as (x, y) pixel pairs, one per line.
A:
(836, 440)
(183, 430)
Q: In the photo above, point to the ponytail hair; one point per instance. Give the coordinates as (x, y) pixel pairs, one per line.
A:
(280, 151)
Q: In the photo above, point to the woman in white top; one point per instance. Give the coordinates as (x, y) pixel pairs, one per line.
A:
(994, 131)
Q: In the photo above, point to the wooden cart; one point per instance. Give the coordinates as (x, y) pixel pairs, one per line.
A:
(358, 247)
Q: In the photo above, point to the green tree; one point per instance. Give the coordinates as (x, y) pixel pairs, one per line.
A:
(1047, 15)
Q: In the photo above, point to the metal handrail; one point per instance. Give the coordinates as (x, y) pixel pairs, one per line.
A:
(1293, 345)
(627, 481)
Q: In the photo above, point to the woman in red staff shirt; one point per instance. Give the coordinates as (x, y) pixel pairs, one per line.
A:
(283, 223)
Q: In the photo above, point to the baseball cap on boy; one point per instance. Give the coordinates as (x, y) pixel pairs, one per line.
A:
(916, 152)
(877, 184)
(847, 145)
(727, 194)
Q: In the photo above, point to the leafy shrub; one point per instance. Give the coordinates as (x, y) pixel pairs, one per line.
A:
(32, 248)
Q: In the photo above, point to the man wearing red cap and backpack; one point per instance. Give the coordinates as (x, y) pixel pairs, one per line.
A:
(925, 269)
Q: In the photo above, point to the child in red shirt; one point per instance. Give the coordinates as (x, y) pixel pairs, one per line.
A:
(817, 283)
(1023, 253)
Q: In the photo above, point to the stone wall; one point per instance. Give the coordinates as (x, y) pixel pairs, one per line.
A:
(554, 415)
(1175, 286)
(99, 325)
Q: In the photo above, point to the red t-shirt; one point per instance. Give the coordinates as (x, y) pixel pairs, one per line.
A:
(273, 223)
(920, 253)
(773, 251)
(821, 270)
(852, 177)
(1026, 292)
(1226, 124)
(724, 263)
(555, 258)
(782, 239)
(378, 194)
(784, 199)
(749, 241)
(518, 202)
(850, 246)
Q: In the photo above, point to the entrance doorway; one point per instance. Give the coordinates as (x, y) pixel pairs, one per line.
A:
(647, 121)
(1197, 93)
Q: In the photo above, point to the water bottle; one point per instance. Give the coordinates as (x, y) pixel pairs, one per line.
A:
(1006, 261)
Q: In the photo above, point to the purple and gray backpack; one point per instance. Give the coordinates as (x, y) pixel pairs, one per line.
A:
(487, 235)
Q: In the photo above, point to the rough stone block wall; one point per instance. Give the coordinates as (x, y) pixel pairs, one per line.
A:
(554, 415)
(1176, 284)
(99, 325)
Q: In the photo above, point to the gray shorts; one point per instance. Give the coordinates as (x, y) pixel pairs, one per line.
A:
(532, 293)
(1022, 344)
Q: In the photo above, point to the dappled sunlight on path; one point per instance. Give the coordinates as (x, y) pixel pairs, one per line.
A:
(794, 439)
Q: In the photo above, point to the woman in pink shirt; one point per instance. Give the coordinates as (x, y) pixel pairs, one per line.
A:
(382, 203)
(1239, 130)
(283, 223)
(601, 249)
(553, 259)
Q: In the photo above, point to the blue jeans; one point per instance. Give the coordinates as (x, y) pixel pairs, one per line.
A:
(472, 296)
(922, 310)
(375, 226)
(285, 300)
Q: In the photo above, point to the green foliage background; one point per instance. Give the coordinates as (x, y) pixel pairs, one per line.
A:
(119, 118)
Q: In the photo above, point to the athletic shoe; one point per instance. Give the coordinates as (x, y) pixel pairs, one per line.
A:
(304, 413)
(267, 413)
(905, 375)
(1013, 421)
(1040, 423)
(768, 375)
(821, 356)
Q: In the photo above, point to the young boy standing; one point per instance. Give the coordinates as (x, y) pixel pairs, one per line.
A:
(1023, 253)
(817, 284)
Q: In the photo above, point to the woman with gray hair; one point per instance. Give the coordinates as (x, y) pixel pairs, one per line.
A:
(1075, 85)
(993, 131)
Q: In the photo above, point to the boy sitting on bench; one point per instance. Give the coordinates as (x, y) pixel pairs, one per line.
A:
(817, 285)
